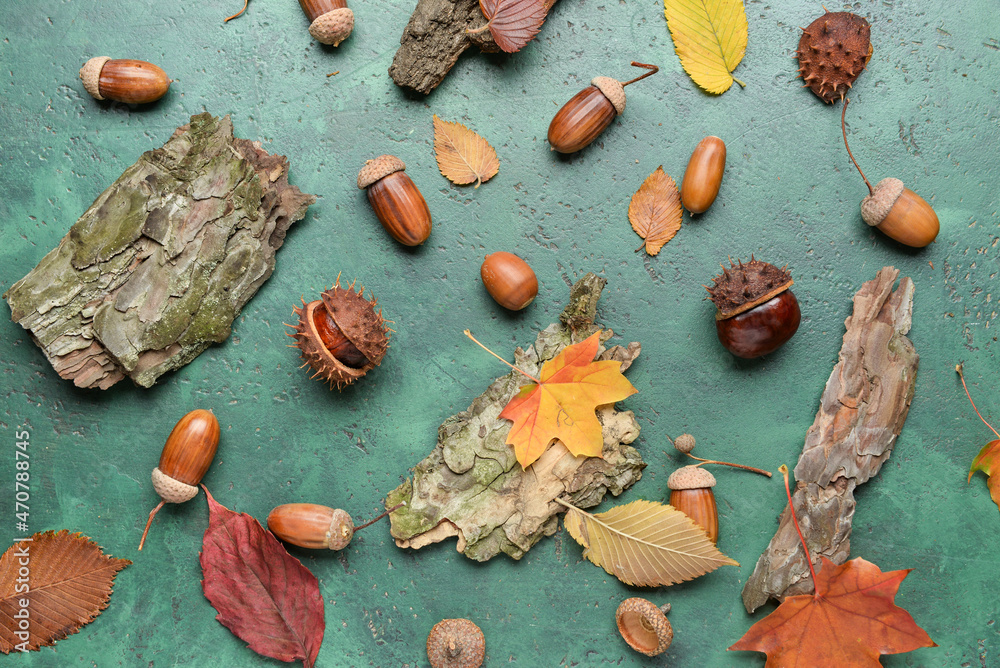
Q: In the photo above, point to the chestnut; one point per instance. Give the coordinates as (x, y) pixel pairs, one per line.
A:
(757, 313)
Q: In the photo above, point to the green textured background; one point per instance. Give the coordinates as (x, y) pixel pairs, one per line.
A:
(926, 111)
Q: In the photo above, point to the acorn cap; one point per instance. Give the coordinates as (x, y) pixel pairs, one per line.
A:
(613, 90)
(690, 477)
(90, 74)
(456, 643)
(644, 626)
(379, 168)
(333, 27)
(341, 529)
(743, 286)
(684, 443)
(170, 490)
(875, 207)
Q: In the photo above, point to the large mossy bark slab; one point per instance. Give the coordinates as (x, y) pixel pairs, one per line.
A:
(160, 265)
(471, 485)
(861, 413)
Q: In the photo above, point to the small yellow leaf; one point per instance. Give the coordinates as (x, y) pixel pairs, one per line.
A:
(710, 37)
(655, 210)
(462, 155)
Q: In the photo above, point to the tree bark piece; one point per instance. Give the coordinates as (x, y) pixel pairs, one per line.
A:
(160, 265)
(862, 411)
(435, 37)
(471, 485)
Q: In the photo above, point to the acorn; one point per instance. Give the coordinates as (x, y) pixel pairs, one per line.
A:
(509, 280)
(130, 81)
(186, 456)
(645, 626)
(331, 20)
(832, 53)
(456, 643)
(703, 175)
(311, 525)
(590, 112)
(757, 313)
(894, 209)
(398, 203)
(691, 493)
(341, 336)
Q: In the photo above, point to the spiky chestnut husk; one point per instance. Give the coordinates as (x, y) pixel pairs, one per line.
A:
(832, 52)
(355, 319)
(743, 286)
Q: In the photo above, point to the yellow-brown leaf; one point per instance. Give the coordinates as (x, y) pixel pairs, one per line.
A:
(70, 582)
(462, 155)
(710, 37)
(655, 210)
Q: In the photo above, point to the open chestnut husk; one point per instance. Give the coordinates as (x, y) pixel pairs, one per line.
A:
(757, 313)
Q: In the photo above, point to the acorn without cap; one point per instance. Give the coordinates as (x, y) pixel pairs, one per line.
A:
(456, 643)
(398, 203)
(645, 626)
(691, 493)
(130, 81)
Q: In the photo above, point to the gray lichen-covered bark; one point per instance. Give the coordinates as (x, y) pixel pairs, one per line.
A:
(436, 35)
(861, 413)
(471, 485)
(159, 266)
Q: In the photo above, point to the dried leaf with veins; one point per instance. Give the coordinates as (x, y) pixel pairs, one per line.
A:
(988, 459)
(462, 155)
(644, 543)
(70, 580)
(655, 211)
(264, 595)
(710, 37)
(513, 23)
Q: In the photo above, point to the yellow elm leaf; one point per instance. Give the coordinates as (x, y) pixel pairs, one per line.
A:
(710, 37)
(462, 155)
(655, 210)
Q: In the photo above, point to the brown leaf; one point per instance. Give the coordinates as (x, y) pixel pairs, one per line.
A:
(264, 595)
(514, 23)
(655, 210)
(68, 584)
(462, 155)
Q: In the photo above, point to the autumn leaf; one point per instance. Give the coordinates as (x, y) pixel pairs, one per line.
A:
(264, 595)
(655, 210)
(513, 23)
(988, 461)
(562, 406)
(68, 584)
(644, 543)
(851, 620)
(710, 37)
(462, 155)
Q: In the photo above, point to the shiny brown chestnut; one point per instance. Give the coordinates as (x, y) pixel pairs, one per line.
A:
(757, 313)
(590, 112)
(331, 20)
(509, 280)
(398, 203)
(703, 175)
(129, 81)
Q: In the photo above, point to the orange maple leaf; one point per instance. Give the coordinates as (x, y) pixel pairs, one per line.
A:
(851, 620)
(561, 406)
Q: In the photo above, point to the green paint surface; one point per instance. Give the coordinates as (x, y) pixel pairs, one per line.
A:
(926, 111)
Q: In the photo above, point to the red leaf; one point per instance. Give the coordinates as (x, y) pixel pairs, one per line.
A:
(514, 23)
(264, 595)
(851, 620)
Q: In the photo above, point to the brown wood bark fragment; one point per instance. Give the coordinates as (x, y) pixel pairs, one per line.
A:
(436, 35)
(862, 411)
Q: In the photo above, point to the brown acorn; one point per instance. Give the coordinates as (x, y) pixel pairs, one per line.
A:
(703, 175)
(590, 112)
(691, 493)
(341, 336)
(832, 52)
(130, 81)
(757, 313)
(331, 20)
(311, 525)
(645, 626)
(397, 201)
(509, 280)
(456, 643)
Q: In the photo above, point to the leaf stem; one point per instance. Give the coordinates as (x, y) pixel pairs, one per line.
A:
(653, 69)
(958, 368)
(742, 85)
(843, 127)
(245, 2)
(371, 522)
(523, 373)
(791, 508)
(738, 466)
(476, 31)
(145, 531)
